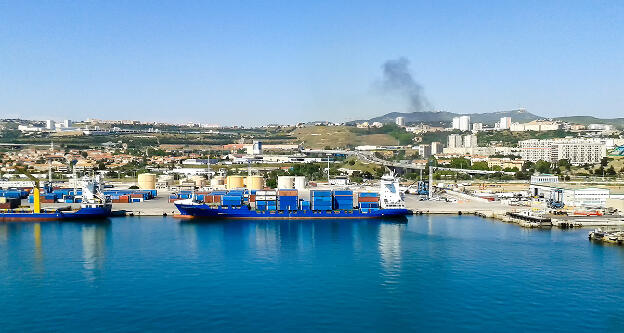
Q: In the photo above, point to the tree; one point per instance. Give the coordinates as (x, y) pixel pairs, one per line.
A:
(460, 163)
(610, 171)
(542, 166)
(564, 163)
(481, 165)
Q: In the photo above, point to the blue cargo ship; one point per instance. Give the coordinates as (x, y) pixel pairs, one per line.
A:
(285, 204)
(94, 205)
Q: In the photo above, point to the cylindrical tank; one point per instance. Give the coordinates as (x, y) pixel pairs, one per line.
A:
(147, 181)
(285, 182)
(199, 181)
(217, 182)
(167, 179)
(235, 182)
(300, 182)
(254, 182)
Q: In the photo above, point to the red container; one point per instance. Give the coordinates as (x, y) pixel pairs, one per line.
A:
(368, 199)
(136, 195)
(252, 198)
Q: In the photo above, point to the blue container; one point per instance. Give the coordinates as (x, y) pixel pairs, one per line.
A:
(305, 205)
(368, 194)
(343, 192)
(320, 193)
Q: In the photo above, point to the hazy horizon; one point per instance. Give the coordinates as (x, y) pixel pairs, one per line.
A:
(257, 63)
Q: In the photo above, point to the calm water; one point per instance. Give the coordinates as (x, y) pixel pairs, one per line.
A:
(433, 273)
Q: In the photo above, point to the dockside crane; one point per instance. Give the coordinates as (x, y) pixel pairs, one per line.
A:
(36, 191)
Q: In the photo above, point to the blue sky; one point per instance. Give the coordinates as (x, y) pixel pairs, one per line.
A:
(258, 62)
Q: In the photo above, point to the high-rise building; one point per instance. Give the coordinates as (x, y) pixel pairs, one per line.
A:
(477, 127)
(455, 141)
(400, 121)
(504, 123)
(463, 123)
(67, 123)
(455, 123)
(470, 141)
(424, 151)
(50, 124)
(436, 147)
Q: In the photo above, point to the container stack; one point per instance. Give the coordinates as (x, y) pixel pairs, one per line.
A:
(288, 199)
(232, 200)
(343, 199)
(321, 199)
(368, 200)
(305, 205)
(9, 203)
(266, 200)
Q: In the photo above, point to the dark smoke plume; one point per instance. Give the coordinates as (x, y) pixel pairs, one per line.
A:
(398, 79)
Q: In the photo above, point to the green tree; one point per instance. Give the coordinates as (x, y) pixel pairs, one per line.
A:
(542, 166)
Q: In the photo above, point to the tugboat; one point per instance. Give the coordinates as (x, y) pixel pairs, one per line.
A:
(325, 204)
(94, 205)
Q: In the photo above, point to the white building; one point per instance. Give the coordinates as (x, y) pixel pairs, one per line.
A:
(470, 141)
(461, 123)
(67, 123)
(504, 123)
(477, 127)
(50, 124)
(455, 141)
(545, 178)
(424, 151)
(400, 121)
(577, 151)
(436, 147)
(255, 148)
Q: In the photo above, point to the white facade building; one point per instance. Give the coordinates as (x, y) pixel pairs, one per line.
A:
(400, 121)
(577, 151)
(436, 147)
(455, 141)
(504, 123)
(50, 124)
(477, 127)
(470, 141)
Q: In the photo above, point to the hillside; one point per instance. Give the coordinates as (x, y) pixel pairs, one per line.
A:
(446, 117)
(586, 120)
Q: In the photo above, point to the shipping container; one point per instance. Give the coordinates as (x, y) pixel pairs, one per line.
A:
(320, 193)
(368, 199)
(368, 194)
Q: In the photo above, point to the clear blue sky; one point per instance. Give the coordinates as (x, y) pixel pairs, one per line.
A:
(259, 62)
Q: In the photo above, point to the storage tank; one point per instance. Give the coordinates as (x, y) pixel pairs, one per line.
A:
(255, 182)
(199, 181)
(217, 182)
(235, 182)
(147, 181)
(167, 179)
(300, 182)
(286, 182)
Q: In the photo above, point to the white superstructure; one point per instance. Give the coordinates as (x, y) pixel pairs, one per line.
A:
(389, 193)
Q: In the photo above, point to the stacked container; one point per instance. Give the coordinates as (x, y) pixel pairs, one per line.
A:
(232, 200)
(321, 199)
(305, 205)
(368, 200)
(343, 199)
(266, 200)
(288, 199)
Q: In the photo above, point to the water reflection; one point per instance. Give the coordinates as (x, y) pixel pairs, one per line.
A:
(94, 238)
(390, 251)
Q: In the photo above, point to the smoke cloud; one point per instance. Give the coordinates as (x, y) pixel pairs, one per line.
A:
(398, 79)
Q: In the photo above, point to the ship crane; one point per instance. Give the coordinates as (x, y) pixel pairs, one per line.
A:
(36, 201)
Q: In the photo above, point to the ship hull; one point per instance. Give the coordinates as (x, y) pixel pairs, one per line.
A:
(81, 214)
(210, 212)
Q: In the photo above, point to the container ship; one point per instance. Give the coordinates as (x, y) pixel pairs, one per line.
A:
(94, 205)
(286, 204)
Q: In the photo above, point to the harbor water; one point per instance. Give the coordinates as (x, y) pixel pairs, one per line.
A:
(433, 273)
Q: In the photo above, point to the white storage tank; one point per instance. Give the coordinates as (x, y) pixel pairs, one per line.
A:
(147, 181)
(300, 182)
(286, 182)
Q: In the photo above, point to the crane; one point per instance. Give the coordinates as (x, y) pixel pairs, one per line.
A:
(36, 202)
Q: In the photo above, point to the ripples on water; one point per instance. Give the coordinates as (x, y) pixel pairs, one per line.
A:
(433, 273)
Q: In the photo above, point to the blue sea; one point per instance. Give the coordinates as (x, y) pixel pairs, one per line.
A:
(433, 273)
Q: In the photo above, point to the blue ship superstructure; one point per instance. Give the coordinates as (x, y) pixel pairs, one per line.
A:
(286, 204)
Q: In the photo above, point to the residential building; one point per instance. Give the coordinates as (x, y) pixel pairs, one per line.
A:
(455, 141)
(577, 151)
(436, 147)
(477, 127)
(504, 123)
(470, 141)
(424, 151)
(400, 121)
